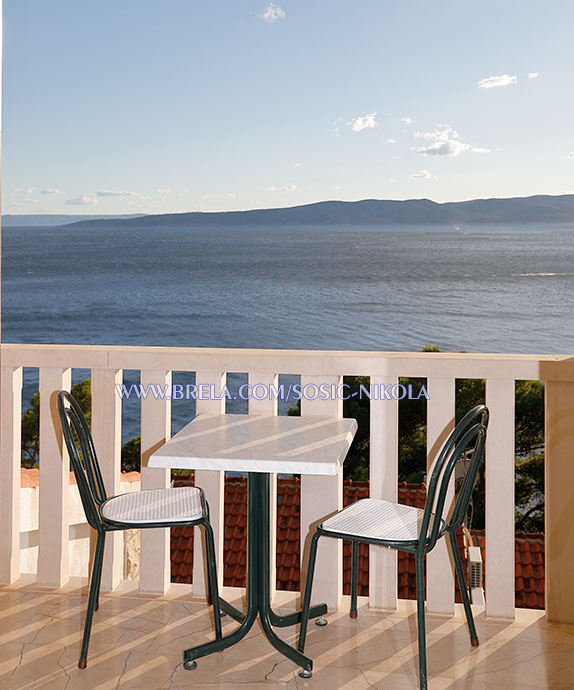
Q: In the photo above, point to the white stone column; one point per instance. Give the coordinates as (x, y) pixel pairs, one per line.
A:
(500, 507)
(559, 511)
(155, 572)
(268, 406)
(440, 423)
(383, 480)
(107, 435)
(213, 484)
(10, 459)
(53, 552)
(320, 497)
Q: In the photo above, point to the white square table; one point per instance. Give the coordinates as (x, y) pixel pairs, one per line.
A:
(258, 445)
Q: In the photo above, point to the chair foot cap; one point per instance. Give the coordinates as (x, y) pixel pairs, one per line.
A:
(474, 641)
(82, 663)
(353, 614)
(190, 665)
(321, 621)
(305, 674)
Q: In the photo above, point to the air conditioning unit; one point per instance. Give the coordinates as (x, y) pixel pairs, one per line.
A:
(475, 575)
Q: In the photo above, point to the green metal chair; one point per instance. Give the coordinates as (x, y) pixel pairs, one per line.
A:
(138, 510)
(411, 529)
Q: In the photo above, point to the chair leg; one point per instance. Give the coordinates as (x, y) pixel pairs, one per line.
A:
(213, 592)
(93, 597)
(421, 626)
(354, 579)
(308, 589)
(463, 590)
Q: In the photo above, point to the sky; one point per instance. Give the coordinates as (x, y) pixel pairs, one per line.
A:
(134, 106)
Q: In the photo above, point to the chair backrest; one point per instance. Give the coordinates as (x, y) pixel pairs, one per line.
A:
(467, 439)
(82, 456)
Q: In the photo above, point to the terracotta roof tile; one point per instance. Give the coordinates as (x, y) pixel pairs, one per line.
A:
(529, 549)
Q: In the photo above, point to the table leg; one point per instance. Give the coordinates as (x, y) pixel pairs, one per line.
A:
(261, 485)
(253, 585)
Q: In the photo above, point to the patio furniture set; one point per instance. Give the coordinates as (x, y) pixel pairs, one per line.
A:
(260, 446)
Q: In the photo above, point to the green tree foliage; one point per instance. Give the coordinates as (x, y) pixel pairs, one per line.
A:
(131, 455)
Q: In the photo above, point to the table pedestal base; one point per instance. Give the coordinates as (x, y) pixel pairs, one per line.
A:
(258, 588)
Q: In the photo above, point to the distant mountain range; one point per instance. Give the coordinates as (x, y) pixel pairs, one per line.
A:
(10, 220)
(532, 209)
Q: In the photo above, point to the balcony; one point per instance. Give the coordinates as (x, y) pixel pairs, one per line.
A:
(142, 624)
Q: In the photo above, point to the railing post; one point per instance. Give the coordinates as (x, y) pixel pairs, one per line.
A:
(440, 422)
(53, 552)
(559, 501)
(155, 572)
(321, 496)
(10, 459)
(268, 406)
(106, 431)
(213, 484)
(499, 500)
(383, 481)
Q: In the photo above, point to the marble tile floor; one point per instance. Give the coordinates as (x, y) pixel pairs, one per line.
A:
(137, 644)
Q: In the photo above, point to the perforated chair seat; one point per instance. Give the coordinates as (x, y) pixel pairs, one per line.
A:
(181, 504)
(372, 518)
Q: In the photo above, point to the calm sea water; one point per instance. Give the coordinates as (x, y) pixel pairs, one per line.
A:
(479, 288)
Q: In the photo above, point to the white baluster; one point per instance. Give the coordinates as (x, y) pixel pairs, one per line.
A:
(440, 423)
(155, 573)
(268, 406)
(53, 552)
(213, 484)
(384, 449)
(322, 496)
(10, 459)
(107, 434)
(500, 473)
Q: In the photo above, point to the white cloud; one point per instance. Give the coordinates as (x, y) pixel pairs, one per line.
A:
(423, 175)
(365, 122)
(163, 191)
(407, 120)
(571, 154)
(83, 200)
(231, 195)
(30, 201)
(282, 190)
(272, 13)
(390, 141)
(110, 192)
(533, 75)
(26, 191)
(296, 165)
(502, 80)
(51, 191)
(446, 141)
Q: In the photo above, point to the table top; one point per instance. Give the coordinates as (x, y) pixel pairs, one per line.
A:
(250, 443)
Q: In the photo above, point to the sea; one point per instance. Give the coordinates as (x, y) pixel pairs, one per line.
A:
(481, 288)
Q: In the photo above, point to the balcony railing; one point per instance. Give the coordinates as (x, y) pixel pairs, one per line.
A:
(319, 495)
